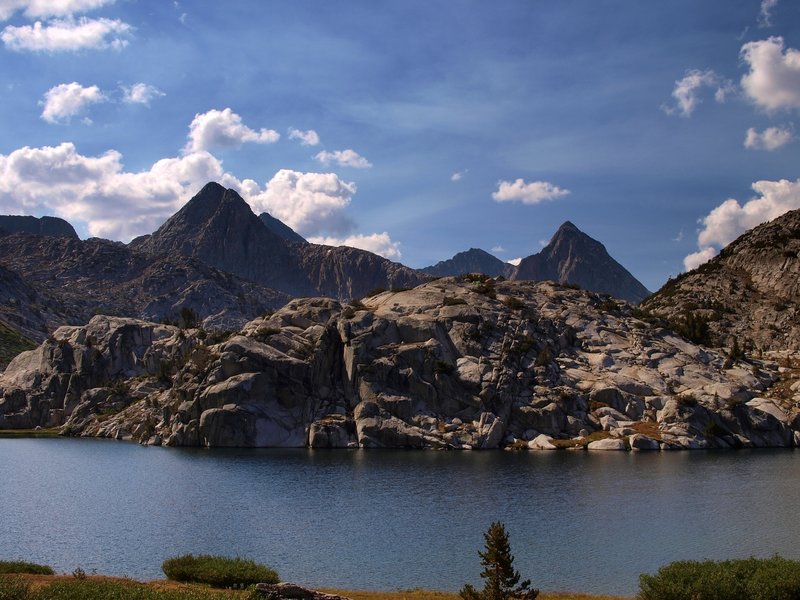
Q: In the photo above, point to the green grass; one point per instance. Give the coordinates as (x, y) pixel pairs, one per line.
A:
(16, 566)
(15, 588)
(217, 571)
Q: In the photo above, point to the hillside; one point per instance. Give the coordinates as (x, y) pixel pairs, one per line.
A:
(747, 295)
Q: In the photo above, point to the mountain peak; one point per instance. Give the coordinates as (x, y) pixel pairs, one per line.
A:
(473, 260)
(574, 257)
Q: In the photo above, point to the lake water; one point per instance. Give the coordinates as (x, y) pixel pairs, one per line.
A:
(578, 521)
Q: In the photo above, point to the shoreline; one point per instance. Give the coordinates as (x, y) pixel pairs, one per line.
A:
(40, 581)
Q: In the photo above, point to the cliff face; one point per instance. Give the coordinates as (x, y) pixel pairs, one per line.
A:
(574, 257)
(455, 363)
(748, 294)
(51, 226)
(473, 260)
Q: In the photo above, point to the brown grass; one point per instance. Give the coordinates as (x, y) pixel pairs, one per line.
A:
(417, 594)
(39, 581)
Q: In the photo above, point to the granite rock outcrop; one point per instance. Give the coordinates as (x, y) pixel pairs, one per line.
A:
(457, 363)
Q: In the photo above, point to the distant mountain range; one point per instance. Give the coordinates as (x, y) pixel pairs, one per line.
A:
(226, 265)
(571, 257)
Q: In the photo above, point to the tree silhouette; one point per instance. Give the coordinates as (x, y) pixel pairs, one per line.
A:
(500, 577)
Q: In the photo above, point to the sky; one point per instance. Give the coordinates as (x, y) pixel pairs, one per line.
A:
(414, 129)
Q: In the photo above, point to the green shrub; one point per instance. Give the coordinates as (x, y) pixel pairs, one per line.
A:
(11, 566)
(514, 303)
(775, 578)
(217, 571)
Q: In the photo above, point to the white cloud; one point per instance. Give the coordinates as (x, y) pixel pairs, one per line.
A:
(515, 261)
(67, 35)
(98, 191)
(312, 204)
(66, 100)
(140, 93)
(498, 248)
(343, 158)
(306, 138)
(686, 92)
(770, 139)
(459, 175)
(773, 82)
(528, 193)
(765, 14)
(730, 219)
(224, 128)
(692, 261)
(377, 243)
(678, 238)
(48, 8)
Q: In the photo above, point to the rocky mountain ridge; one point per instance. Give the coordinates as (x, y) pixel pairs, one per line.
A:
(461, 363)
(747, 296)
(68, 280)
(51, 226)
(571, 257)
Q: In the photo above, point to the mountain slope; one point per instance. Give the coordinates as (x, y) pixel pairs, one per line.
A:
(70, 280)
(574, 257)
(218, 227)
(473, 260)
(280, 228)
(749, 293)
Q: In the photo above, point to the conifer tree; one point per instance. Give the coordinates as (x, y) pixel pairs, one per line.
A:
(500, 577)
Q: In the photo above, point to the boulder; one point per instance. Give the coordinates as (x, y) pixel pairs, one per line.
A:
(607, 444)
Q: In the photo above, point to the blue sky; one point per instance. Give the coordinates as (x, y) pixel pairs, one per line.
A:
(416, 129)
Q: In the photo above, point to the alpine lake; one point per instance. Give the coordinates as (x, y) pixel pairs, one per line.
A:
(386, 520)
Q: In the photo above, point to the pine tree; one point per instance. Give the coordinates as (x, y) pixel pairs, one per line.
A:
(501, 579)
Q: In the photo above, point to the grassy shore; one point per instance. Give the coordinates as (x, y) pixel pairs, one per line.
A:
(30, 433)
(39, 582)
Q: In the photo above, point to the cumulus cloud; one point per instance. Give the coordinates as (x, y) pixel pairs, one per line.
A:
(66, 100)
(377, 243)
(67, 35)
(343, 158)
(694, 260)
(730, 219)
(498, 248)
(48, 8)
(458, 175)
(224, 128)
(312, 204)
(687, 91)
(306, 138)
(770, 139)
(97, 190)
(140, 93)
(765, 14)
(527, 193)
(515, 261)
(773, 81)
